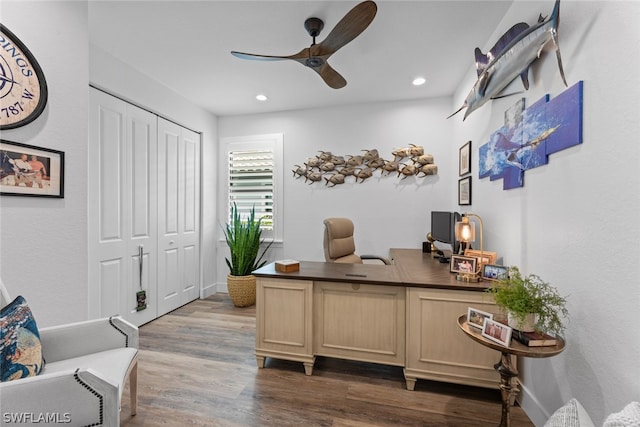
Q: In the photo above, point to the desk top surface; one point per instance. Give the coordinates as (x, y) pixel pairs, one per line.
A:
(411, 267)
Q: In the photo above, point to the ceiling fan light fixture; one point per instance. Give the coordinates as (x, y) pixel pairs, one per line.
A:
(261, 97)
(419, 81)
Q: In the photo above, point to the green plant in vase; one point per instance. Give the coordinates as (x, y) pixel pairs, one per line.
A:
(530, 300)
(244, 239)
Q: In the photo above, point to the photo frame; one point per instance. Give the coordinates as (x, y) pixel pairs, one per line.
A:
(484, 257)
(494, 272)
(464, 159)
(463, 264)
(27, 170)
(475, 317)
(497, 332)
(464, 191)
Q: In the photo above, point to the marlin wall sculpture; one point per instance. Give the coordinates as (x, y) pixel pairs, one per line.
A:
(511, 56)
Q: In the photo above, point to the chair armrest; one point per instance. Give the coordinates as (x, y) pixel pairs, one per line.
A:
(66, 397)
(383, 259)
(91, 336)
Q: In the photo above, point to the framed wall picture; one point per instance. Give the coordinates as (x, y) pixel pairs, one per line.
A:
(465, 159)
(27, 170)
(497, 332)
(464, 191)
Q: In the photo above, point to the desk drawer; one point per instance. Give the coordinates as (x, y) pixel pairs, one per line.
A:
(359, 322)
(437, 349)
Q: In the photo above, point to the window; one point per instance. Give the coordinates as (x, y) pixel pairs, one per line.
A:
(254, 171)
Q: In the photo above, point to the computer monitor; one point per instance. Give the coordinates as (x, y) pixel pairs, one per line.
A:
(443, 228)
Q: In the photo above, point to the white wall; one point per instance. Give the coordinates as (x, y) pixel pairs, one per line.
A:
(120, 79)
(574, 221)
(43, 254)
(43, 250)
(387, 211)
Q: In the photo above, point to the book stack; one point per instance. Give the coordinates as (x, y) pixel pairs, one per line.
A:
(534, 339)
(287, 266)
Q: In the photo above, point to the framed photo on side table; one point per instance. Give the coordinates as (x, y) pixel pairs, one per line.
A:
(476, 317)
(464, 191)
(465, 159)
(27, 170)
(497, 332)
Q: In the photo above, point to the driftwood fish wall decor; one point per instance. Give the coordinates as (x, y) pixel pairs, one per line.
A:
(407, 161)
(511, 56)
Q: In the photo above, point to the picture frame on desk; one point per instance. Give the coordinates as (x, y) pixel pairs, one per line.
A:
(476, 317)
(494, 272)
(484, 257)
(497, 332)
(463, 264)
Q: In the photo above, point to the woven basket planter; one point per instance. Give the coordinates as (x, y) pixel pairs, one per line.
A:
(242, 290)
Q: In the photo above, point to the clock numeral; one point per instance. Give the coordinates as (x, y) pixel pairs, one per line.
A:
(14, 110)
(27, 94)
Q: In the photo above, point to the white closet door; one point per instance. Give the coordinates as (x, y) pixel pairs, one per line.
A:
(178, 215)
(122, 208)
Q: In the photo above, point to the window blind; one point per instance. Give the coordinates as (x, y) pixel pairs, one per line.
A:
(251, 184)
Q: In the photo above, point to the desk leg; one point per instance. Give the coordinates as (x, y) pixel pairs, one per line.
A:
(507, 372)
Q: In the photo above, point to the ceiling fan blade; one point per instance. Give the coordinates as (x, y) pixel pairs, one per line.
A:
(257, 57)
(349, 27)
(330, 76)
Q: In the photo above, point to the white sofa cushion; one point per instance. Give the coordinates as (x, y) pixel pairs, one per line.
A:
(572, 414)
(628, 417)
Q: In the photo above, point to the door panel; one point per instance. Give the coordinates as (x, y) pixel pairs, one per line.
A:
(122, 208)
(178, 215)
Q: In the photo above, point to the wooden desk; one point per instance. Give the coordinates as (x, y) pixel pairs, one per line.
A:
(505, 367)
(402, 315)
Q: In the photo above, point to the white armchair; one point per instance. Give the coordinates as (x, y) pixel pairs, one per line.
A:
(86, 366)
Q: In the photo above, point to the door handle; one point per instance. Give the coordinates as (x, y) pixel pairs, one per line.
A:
(140, 262)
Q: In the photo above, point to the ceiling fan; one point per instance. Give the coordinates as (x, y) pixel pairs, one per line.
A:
(316, 56)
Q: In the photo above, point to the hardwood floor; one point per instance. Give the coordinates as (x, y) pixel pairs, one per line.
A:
(197, 368)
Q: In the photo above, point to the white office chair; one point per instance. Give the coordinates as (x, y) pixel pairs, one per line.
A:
(81, 383)
(339, 245)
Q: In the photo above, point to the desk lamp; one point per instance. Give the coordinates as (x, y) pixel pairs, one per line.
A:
(466, 233)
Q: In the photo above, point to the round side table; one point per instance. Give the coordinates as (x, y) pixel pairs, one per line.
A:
(504, 366)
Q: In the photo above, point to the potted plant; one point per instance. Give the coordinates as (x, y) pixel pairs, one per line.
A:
(243, 236)
(531, 303)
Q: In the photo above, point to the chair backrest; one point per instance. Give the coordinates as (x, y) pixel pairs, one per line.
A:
(339, 245)
(4, 295)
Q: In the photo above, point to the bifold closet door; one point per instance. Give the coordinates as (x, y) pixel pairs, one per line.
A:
(178, 215)
(122, 221)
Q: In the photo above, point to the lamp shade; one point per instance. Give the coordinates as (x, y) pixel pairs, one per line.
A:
(465, 230)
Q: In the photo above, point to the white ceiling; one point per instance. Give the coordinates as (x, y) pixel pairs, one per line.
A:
(185, 45)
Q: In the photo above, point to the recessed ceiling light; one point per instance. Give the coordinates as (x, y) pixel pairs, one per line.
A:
(261, 97)
(418, 81)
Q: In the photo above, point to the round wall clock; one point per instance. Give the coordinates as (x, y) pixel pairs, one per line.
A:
(23, 89)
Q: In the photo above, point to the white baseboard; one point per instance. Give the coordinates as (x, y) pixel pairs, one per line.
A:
(209, 290)
(532, 407)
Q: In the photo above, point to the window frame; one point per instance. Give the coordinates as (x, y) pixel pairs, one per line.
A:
(272, 142)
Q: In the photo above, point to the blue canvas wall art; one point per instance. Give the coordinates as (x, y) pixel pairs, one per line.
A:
(530, 135)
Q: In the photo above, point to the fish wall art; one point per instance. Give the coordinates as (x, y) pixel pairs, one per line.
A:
(530, 135)
(510, 57)
(336, 169)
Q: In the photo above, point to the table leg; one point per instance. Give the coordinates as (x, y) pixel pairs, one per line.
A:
(507, 372)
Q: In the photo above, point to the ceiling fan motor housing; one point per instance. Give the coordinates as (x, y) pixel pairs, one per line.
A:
(313, 27)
